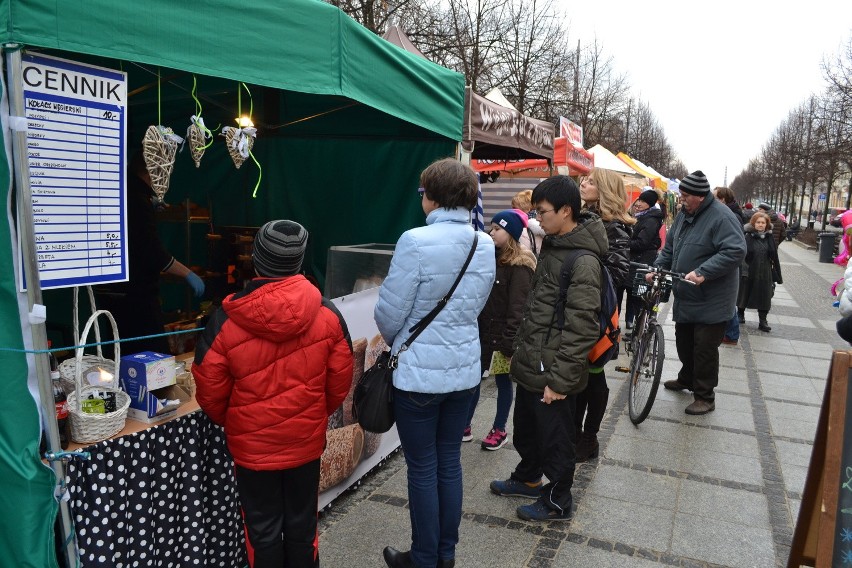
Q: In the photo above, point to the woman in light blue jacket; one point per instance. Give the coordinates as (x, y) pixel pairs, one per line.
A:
(438, 373)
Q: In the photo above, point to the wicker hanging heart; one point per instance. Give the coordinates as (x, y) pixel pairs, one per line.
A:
(240, 141)
(196, 138)
(159, 147)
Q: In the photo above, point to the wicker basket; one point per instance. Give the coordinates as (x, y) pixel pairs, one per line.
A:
(86, 427)
(68, 368)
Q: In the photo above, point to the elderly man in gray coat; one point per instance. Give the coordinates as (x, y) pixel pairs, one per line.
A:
(706, 243)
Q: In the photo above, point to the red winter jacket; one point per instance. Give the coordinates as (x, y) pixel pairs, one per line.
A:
(273, 363)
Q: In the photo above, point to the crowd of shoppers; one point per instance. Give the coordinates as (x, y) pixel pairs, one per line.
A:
(498, 325)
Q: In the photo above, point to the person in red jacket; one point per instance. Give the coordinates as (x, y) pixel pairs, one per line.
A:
(274, 361)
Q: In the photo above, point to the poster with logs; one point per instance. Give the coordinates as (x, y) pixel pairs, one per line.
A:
(352, 452)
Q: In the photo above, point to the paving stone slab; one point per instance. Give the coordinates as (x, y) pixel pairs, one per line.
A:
(723, 543)
(632, 486)
(573, 555)
(645, 452)
(723, 504)
(793, 453)
(794, 477)
(612, 520)
(723, 442)
(703, 462)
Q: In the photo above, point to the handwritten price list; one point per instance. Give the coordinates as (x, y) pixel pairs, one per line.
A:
(75, 143)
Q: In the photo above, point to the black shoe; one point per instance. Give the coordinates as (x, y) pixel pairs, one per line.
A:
(446, 563)
(587, 448)
(763, 326)
(396, 559)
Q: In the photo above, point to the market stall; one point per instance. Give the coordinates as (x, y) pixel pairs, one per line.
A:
(314, 98)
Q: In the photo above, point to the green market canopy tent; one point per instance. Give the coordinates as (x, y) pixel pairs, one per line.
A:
(346, 122)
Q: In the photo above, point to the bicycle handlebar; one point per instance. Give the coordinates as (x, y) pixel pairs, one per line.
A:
(656, 269)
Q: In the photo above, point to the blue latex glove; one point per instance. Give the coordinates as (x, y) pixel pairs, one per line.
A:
(196, 283)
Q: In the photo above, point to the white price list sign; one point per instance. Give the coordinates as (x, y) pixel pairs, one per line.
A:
(76, 140)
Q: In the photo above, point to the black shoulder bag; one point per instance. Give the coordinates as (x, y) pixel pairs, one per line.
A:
(372, 401)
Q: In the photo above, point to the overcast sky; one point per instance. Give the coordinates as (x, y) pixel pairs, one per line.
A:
(719, 76)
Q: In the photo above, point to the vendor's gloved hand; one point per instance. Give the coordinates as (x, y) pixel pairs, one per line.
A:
(196, 283)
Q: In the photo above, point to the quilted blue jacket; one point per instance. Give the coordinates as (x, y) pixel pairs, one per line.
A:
(445, 357)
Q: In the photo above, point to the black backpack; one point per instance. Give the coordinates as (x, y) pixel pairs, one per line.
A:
(607, 345)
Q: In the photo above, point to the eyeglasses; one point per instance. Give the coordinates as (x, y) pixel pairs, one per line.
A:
(421, 191)
(540, 212)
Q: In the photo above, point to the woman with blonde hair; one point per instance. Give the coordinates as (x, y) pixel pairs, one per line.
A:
(603, 193)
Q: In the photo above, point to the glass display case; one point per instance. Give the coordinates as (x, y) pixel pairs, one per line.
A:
(354, 268)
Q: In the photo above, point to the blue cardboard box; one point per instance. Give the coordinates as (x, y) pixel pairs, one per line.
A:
(143, 373)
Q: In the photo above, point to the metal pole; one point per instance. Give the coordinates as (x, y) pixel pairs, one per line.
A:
(26, 229)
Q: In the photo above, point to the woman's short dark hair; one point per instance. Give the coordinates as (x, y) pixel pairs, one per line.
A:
(724, 194)
(450, 184)
(559, 191)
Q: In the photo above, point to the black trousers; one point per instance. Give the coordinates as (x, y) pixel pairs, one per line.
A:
(698, 351)
(543, 435)
(592, 403)
(280, 513)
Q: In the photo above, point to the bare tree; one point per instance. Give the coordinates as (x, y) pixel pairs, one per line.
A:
(531, 55)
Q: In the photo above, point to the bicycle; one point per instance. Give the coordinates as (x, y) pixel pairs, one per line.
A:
(646, 345)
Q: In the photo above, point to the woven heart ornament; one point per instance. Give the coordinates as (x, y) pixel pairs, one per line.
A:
(159, 147)
(240, 141)
(196, 136)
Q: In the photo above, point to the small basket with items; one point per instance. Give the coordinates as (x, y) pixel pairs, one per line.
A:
(97, 409)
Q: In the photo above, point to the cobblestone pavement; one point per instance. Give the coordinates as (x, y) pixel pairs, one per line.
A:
(706, 491)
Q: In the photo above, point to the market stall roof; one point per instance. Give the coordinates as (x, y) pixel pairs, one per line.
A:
(299, 45)
(658, 181)
(397, 37)
(487, 120)
(608, 161)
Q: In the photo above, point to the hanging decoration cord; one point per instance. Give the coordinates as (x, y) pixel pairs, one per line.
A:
(208, 134)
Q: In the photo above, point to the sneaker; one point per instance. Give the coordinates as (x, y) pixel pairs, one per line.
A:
(539, 511)
(495, 439)
(676, 385)
(467, 436)
(514, 488)
(726, 341)
(700, 407)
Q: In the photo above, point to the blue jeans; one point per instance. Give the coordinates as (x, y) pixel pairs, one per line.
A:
(430, 429)
(732, 331)
(504, 401)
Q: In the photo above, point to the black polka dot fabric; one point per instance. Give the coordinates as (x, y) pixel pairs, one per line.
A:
(164, 497)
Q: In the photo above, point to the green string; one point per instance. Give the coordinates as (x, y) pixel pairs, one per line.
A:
(259, 175)
(198, 115)
(259, 169)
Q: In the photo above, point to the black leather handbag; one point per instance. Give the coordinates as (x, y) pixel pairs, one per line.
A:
(372, 401)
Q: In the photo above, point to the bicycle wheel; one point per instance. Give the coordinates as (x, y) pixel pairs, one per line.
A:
(646, 368)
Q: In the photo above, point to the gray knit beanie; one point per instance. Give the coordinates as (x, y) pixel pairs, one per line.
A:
(279, 248)
(695, 184)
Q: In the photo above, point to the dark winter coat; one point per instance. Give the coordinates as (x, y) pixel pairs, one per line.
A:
(645, 239)
(617, 258)
(273, 363)
(739, 212)
(710, 242)
(544, 356)
(503, 312)
(779, 227)
(761, 270)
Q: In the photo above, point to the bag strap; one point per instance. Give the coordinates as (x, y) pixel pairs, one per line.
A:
(418, 328)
